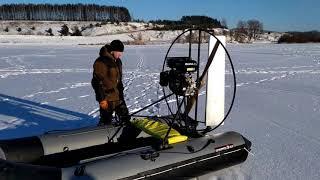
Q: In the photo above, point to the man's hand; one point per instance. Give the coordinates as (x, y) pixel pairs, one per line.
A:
(104, 104)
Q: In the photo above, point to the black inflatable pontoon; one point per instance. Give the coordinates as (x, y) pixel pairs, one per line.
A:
(28, 158)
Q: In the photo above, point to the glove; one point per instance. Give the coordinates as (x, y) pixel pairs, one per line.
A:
(104, 104)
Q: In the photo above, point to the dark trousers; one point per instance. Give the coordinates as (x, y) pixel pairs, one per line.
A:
(121, 110)
(129, 132)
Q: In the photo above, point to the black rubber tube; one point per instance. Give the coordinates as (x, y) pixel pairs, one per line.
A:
(24, 150)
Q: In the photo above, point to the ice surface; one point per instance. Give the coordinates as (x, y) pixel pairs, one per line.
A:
(277, 107)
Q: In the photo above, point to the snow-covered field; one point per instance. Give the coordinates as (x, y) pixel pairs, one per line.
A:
(277, 107)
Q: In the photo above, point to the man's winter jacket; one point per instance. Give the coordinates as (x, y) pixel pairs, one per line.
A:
(107, 78)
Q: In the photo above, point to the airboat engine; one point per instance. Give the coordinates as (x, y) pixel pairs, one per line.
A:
(179, 77)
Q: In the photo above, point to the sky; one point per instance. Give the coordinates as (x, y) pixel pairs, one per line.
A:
(276, 15)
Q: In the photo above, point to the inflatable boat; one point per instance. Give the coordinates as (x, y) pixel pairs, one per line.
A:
(87, 153)
(169, 147)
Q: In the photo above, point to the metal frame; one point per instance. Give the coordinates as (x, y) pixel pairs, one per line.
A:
(198, 73)
(183, 101)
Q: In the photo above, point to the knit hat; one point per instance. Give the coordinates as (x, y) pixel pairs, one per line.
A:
(117, 45)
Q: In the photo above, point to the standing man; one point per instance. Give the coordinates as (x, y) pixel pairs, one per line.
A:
(107, 83)
(108, 87)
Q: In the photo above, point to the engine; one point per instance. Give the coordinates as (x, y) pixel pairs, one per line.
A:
(179, 77)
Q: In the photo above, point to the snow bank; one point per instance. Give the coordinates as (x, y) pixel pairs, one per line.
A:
(145, 36)
(94, 32)
(68, 40)
(88, 28)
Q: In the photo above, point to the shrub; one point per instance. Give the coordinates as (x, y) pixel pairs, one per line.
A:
(76, 31)
(300, 37)
(49, 31)
(64, 30)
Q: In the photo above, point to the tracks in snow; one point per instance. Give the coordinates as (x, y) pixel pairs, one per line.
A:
(4, 73)
(19, 66)
(68, 87)
(143, 84)
(276, 73)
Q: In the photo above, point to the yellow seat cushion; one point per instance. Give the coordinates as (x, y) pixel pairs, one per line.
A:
(159, 130)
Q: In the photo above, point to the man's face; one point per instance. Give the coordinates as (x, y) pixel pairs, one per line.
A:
(117, 54)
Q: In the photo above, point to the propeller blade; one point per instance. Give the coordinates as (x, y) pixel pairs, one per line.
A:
(210, 60)
(201, 81)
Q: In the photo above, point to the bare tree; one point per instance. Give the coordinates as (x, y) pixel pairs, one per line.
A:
(242, 27)
(255, 27)
(224, 23)
(241, 31)
(231, 35)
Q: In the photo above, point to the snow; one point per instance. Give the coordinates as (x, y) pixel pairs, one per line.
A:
(146, 36)
(91, 28)
(56, 40)
(35, 32)
(47, 87)
(94, 32)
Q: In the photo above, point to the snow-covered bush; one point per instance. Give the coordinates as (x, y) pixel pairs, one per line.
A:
(64, 30)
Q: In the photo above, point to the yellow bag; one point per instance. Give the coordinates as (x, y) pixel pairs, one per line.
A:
(159, 130)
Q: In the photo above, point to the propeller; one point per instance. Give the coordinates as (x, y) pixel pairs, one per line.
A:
(201, 80)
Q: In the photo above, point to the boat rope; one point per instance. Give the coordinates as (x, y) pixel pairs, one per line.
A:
(248, 151)
(191, 148)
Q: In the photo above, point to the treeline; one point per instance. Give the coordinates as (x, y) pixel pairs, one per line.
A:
(188, 22)
(64, 12)
(300, 37)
